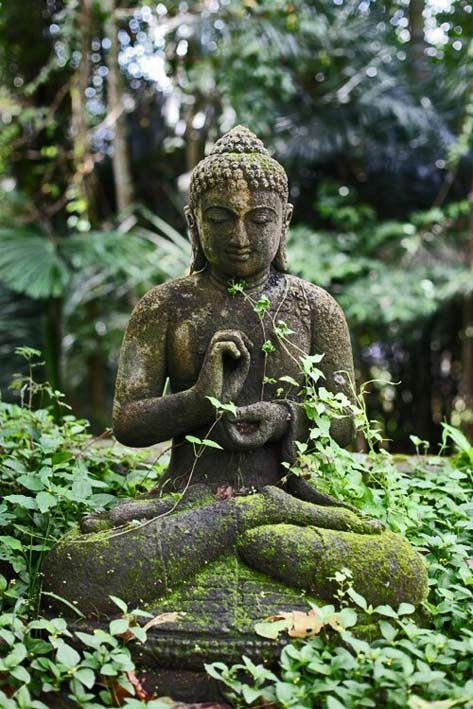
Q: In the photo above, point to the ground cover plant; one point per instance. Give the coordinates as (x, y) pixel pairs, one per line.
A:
(52, 473)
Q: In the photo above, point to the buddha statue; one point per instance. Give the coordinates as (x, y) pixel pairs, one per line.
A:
(227, 531)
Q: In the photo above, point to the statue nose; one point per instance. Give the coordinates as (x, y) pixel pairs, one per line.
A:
(239, 236)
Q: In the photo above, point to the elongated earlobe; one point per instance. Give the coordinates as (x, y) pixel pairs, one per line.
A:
(280, 260)
(198, 258)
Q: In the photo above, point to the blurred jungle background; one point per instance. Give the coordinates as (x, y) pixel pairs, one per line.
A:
(106, 106)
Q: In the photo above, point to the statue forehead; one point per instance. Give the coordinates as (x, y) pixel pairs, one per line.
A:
(241, 198)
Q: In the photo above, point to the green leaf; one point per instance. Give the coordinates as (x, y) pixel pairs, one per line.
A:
(7, 636)
(82, 488)
(21, 674)
(386, 610)
(11, 543)
(138, 633)
(262, 305)
(333, 703)
(66, 655)
(86, 677)
(268, 347)
(348, 617)
(31, 482)
(387, 630)
(119, 603)
(22, 501)
(89, 639)
(119, 626)
(108, 670)
(15, 465)
(272, 629)
(250, 695)
(406, 609)
(45, 501)
(357, 598)
(30, 264)
(16, 656)
(459, 438)
(211, 444)
(194, 439)
(289, 380)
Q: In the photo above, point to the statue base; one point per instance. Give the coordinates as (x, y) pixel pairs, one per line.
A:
(209, 618)
(207, 574)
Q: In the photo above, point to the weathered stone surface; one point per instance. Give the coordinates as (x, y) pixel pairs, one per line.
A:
(385, 568)
(144, 563)
(226, 563)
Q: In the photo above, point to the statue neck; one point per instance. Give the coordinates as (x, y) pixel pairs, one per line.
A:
(252, 283)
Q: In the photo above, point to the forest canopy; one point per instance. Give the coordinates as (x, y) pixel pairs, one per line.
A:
(105, 108)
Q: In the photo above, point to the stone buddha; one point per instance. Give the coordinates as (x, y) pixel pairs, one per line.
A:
(271, 541)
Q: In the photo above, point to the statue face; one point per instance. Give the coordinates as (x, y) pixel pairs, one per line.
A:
(240, 229)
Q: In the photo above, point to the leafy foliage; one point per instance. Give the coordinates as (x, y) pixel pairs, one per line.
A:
(384, 272)
(52, 473)
(30, 264)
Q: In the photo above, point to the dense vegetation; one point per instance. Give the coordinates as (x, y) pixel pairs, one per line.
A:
(53, 472)
(106, 106)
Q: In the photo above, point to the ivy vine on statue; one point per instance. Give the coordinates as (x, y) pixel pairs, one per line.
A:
(246, 539)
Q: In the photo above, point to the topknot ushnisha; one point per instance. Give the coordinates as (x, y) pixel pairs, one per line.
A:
(238, 159)
(239, 140)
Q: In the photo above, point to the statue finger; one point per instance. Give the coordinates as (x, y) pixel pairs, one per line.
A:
(226, 347)
(252, 412)
(241, 340)
(248, 343)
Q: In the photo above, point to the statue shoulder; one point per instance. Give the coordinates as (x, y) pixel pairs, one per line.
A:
(161, 300)
(318, 299)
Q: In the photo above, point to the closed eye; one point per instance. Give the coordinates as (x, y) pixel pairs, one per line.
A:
(262, 216)
(218, 215)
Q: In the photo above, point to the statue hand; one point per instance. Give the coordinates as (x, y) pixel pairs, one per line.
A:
(226, 366)
(254, 425)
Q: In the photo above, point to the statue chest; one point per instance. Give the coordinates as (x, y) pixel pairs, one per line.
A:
(279, 338)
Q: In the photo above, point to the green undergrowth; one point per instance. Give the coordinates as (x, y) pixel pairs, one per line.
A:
(52, 472)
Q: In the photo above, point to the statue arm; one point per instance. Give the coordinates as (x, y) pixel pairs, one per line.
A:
(141, 415)
(332, 338)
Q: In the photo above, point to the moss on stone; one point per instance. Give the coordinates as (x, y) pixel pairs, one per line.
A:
(228, 597)
(385, 568)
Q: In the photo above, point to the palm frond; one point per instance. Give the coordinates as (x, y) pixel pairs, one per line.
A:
(31, 264)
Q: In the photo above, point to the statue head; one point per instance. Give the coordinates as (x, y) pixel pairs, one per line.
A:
(238, 183)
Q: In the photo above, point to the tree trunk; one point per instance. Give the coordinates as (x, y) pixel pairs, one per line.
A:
(83, 161)
(417, 42)
(466, 379)
(115, 110)
(422, 403)
(84, 178)
(195, 148)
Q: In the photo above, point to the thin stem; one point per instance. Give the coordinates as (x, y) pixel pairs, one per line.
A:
(198, 454)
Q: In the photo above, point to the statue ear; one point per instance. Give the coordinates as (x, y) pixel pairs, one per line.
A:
(280, 260)
(198, 258)
(288, 215)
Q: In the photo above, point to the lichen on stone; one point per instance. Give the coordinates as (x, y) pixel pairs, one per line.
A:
(239, 157)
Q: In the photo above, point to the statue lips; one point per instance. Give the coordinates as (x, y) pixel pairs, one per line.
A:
(239, 254)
